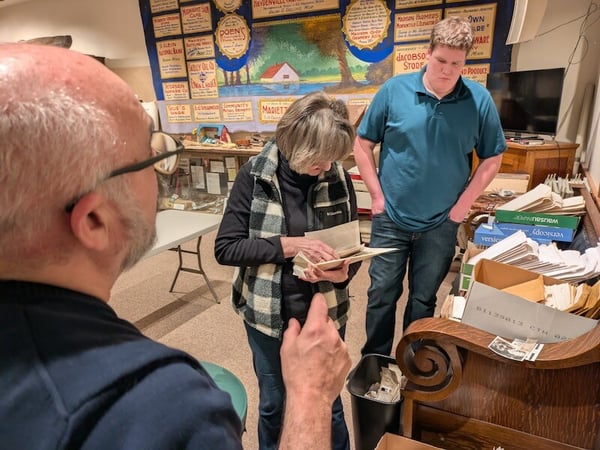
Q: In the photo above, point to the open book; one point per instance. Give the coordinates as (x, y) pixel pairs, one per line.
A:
(345, 239)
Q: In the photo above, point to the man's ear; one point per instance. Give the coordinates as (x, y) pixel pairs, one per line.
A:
(90, 221)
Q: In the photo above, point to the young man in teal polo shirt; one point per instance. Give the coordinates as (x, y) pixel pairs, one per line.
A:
(428, 124)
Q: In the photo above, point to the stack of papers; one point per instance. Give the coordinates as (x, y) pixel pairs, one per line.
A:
(541, 199)
(546, 259)
(569, 266)
(345, 239)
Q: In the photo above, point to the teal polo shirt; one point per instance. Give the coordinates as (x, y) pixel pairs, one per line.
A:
(426, 145)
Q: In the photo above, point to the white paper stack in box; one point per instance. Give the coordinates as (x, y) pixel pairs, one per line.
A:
(521, 251)
(543, 207)
(496, 303)
(542, 214)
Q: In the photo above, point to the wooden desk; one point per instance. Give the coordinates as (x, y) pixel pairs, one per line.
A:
(461, 395)
(538, 161)
(174, 228)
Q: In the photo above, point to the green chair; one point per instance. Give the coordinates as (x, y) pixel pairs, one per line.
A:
(231, 384)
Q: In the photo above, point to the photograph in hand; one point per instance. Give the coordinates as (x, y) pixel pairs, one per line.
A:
(345, 240)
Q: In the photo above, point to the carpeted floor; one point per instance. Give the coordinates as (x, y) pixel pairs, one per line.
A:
(190, 319)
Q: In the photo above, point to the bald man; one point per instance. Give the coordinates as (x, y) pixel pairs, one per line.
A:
(77, 206)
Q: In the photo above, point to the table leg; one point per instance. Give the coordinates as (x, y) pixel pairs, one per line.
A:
(199, 270)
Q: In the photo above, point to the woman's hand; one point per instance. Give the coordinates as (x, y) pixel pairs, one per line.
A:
(313, 274)
(313, 249)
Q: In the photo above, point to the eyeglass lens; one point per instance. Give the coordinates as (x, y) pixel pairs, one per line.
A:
(162, 143)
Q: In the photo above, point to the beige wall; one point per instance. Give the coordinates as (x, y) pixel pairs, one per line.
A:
(140, 79)
(109, 28)
(554, 50)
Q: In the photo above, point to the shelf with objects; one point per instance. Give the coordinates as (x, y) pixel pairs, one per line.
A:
(207, 169)
(537, 160)
(210, 162)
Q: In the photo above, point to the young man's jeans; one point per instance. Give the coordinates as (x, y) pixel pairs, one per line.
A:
(267, 366)
(428, 254)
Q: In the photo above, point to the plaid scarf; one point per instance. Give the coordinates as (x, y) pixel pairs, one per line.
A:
(256, 292)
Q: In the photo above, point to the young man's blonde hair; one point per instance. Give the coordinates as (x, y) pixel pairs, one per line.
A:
(314, 129)
(453, 32)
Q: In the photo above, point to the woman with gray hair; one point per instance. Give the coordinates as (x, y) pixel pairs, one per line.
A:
(295, 185)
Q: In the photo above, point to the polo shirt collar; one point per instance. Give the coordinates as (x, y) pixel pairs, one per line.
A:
(460, 90)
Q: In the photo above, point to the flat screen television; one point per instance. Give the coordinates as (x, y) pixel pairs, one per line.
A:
(528, 101)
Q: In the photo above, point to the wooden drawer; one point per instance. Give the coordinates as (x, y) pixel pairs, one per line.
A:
(452, 431)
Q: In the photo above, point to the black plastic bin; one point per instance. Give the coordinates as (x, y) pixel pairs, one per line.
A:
(371, 418)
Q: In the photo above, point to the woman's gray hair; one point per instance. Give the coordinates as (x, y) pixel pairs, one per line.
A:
(314, 129)
(454, 32)
(54, 148)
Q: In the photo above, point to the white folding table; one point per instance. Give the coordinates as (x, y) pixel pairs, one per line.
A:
(174, 228)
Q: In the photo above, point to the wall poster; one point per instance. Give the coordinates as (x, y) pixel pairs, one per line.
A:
(242, 63)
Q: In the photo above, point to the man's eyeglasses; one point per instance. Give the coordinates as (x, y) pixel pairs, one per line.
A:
(165, 159)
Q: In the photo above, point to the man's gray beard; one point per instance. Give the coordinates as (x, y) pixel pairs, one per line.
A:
(140, 235)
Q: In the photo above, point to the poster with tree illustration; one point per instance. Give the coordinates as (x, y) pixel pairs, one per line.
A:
(243, 62)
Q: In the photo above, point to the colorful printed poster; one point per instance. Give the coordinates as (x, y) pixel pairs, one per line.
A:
(237, 111)
(415, 26)
(203, 79)
(228, 6)
(199, 47)
(271, 110)
(171, 58)
(179, 113)
(232, 36)
(177, 90)
(476, 72)
(196, 18)
(277, 8)
(157, 6)
(482, 19)
(207, 112)
(409, 58)
(366, 23)
(167, 25)
(400, 4)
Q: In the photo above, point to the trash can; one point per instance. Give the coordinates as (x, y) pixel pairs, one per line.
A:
(371, 418)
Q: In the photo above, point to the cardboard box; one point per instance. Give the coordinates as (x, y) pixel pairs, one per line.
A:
(391, 441)
(487, 235)
(511, 316)
(528, 218)
(516, 182)
(538, 233)
(466, 269)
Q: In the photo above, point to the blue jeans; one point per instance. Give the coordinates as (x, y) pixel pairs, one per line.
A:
(267, 366)
(428, 256)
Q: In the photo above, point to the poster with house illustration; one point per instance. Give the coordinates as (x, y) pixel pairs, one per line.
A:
(263, 54)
